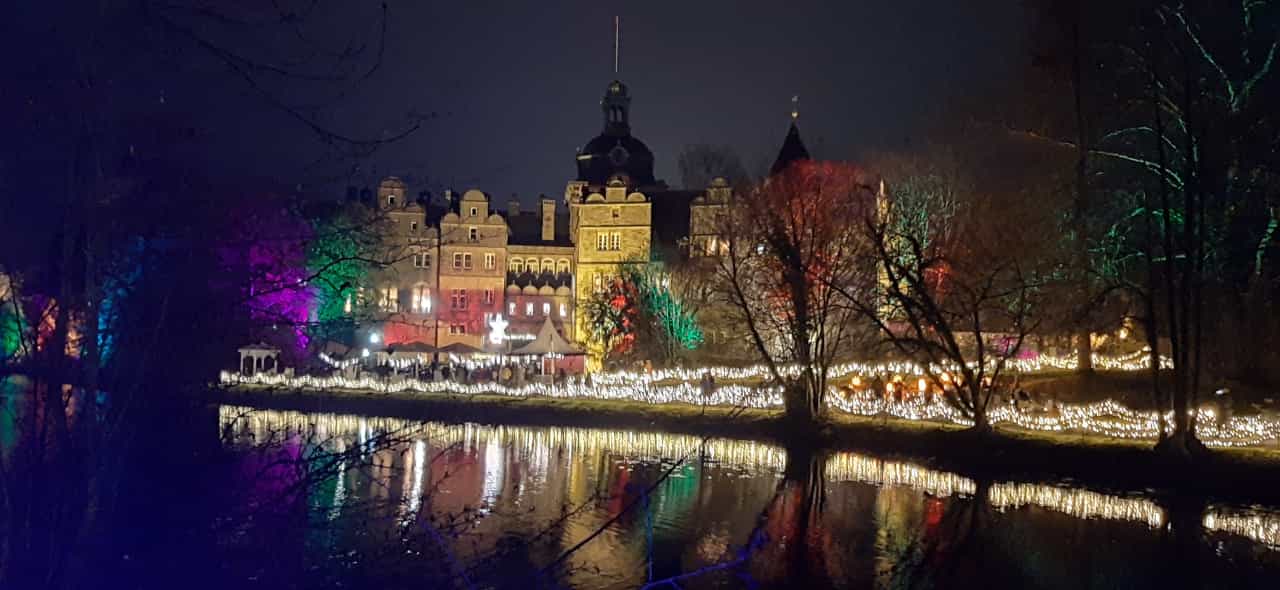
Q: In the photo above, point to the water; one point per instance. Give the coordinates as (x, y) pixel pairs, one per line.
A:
(227, 496)
(871, 523)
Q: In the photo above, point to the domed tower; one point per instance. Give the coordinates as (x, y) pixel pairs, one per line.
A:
(615, 153)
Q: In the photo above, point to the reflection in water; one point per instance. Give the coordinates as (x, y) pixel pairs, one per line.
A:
(854, 467)
(1077, 502)
(536, 446)
(1263, 527)
(285, 499)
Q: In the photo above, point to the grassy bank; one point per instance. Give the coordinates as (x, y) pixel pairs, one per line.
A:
(1241, 475)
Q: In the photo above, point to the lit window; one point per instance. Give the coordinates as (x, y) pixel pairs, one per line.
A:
(388, 299)
(548, 265)
(490, 261)
(602, 241)
(346, 306)
(528, 309)
(562, 266)
(531, 264)
(458, 298)
(564, 310)
(517, 265)
(511, 308)
(421, 299)
(615, 241)
(546, 309)
(473, 234)
(488, 296)
(597, 282)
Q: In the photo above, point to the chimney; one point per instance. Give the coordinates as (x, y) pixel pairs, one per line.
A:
(513, 207)
(548, 205)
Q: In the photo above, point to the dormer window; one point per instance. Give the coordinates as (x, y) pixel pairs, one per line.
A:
(413, 226)
(473, 234)
(475, 211)
(391, 200)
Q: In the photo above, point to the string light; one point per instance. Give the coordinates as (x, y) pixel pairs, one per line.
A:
(1137, 361)
(1106, 418)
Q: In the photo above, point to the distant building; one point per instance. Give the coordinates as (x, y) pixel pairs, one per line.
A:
(464, 263)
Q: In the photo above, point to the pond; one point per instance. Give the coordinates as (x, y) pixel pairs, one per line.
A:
(280, 499)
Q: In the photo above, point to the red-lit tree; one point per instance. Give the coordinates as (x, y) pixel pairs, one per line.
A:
(613, 318)
(788, 241)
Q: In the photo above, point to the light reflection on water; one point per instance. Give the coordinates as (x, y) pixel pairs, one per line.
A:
(519, 478)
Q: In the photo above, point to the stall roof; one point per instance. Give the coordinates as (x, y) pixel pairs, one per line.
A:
(548, 341)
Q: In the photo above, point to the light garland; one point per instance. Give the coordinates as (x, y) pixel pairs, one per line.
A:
(1137, 361)
(754, 397)
(757, 458)
(1106, 418)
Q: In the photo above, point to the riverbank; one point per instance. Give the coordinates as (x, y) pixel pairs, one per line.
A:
(1242, 475)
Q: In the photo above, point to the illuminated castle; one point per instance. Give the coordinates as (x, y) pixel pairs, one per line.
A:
(464, 263)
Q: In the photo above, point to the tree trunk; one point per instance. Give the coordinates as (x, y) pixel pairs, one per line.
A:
(1084, 340)
(796, 400)
(1084, 350)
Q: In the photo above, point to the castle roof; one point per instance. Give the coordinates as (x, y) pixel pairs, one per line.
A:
(792, 150)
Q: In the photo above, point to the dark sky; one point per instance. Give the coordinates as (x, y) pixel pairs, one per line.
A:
(517, 84)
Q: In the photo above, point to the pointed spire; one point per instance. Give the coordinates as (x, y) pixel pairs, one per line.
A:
(792, 150)
(617, 42)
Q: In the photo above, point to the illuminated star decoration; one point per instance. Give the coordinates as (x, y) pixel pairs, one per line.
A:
(497, 329)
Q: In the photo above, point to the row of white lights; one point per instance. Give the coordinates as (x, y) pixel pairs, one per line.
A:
(1136, 361)
(1106, 418)
(1260, 526)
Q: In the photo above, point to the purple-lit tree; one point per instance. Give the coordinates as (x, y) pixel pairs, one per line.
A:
(271, 249)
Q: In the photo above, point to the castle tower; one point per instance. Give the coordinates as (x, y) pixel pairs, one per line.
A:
(613, 229)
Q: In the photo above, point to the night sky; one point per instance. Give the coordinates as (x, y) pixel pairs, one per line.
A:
(516, 85)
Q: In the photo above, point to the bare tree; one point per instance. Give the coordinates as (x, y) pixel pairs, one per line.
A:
(961, 275)
(787, 242)
(701, 163)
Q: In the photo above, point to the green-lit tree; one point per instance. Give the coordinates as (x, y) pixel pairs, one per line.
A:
(345, 248)
(673, 325)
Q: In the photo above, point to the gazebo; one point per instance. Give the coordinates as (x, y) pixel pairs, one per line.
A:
(556, 352)
(261, 357)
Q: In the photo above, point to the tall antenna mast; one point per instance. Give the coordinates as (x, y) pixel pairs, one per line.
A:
(795, 107)
(617, 40)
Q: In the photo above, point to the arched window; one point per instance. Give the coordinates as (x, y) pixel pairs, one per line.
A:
(421, 300)
(563, 265)
(389, 299)
(548, 265)
(531, 264)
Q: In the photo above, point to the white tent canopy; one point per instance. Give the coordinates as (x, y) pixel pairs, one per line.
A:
(549, 341)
